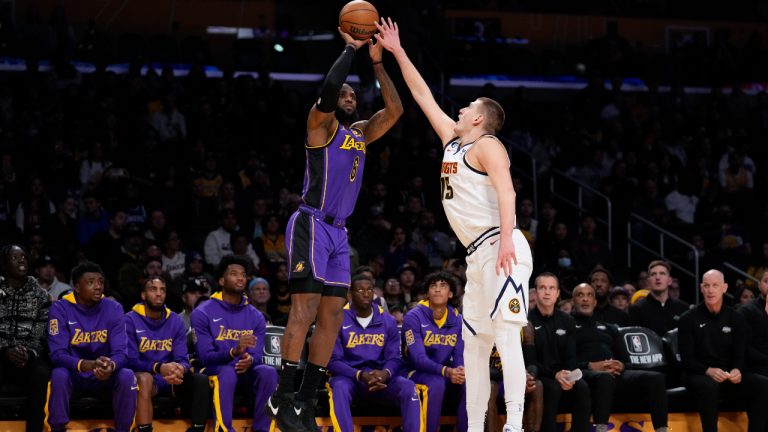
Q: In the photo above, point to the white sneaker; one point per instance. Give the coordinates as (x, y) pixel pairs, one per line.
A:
(510, 428)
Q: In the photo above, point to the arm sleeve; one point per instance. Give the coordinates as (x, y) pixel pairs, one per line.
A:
(329, 92)
(134, 360)
(414, 342)
(180, 353)
(206, 348)
(117, 338)
(58, 340)
(337, 365)
(392, 354)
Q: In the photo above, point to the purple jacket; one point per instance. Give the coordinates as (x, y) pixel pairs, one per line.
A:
(432, 346)
(361, 349)
(217, 326)
(77, 333)
(152, 343)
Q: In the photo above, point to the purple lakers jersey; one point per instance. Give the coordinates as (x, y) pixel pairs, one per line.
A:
(334, 172)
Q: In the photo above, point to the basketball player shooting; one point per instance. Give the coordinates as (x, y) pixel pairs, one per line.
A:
(479, 201)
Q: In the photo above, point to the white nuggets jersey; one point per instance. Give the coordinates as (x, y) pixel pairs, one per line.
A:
(468, 197)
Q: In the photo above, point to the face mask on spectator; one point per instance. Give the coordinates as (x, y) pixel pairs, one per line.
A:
(564, 262)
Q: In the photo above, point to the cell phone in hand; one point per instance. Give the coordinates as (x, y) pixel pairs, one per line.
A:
(573, 375)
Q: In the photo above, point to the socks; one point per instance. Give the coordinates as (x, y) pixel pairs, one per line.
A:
(287, 376)
(312, 376)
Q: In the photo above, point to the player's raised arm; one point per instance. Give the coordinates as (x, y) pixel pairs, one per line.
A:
(389, 37)
(384, 119)
(321, 119)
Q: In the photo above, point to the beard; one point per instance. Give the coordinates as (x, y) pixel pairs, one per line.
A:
(346, 118)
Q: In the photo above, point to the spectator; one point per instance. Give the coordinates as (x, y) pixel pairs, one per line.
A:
(157, 226)
(756, 315)
(93, 220)
(60, 229)
(601, 281)
(619, 298)
(427, 239)
(712, 338)
(217, 242)
(658, 311)
(241, 246)
(173, 258)
(363, 371)
(270, 245)
(394, 296)
(23, 318)
(528, 225)
(46, 277)
(93, 166)
(595, 341)
(589, 250)
(258, 296)
(35, 207)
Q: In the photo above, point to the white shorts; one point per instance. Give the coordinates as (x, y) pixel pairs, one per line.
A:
(488, 297)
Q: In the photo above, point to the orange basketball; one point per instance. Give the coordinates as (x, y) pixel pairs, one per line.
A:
(356, 19)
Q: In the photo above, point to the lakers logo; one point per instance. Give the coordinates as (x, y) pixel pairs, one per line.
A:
(299, 267)
(514, 305)
(53, 327)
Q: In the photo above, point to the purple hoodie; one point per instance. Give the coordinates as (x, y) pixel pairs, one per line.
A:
(154, 342)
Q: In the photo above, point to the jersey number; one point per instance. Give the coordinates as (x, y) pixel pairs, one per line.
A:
(353, 173)
(446, 190)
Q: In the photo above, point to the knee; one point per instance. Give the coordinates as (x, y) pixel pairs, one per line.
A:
(146, 383)
(341, 386)
(60, 376)
(305, 311)
(125, 377)
(267, 375)
(407, 387)
(226, 374)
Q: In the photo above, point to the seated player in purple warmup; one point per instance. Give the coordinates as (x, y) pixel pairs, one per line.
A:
(157, 353)
(229, 336)
(366, 360)
(434, 349)
(87, 341)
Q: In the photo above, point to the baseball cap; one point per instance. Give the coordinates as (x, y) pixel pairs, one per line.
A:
(617, 291)
(198, 284)
(193, 256)
(43, 261)
(133, 229)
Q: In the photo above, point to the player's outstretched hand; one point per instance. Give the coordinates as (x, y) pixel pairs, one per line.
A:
(375, 50)
(507, 256)
(349, 40)
(388, 35)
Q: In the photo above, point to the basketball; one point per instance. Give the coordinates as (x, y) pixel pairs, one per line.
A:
(356, 19)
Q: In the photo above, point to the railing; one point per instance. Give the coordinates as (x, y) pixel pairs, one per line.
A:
(741, 273)
(584, 196)
(643, 240)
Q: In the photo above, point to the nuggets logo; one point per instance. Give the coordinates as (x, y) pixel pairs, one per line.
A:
(409, 339)
(299, 267)
(53, 327)
(514, 305)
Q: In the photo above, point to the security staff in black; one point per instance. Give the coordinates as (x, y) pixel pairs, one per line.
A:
(756, 314)
(595, 342)
(658, 311)
(556, 357)
(712, 339)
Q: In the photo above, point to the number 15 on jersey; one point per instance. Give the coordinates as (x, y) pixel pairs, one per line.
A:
(446, 190)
